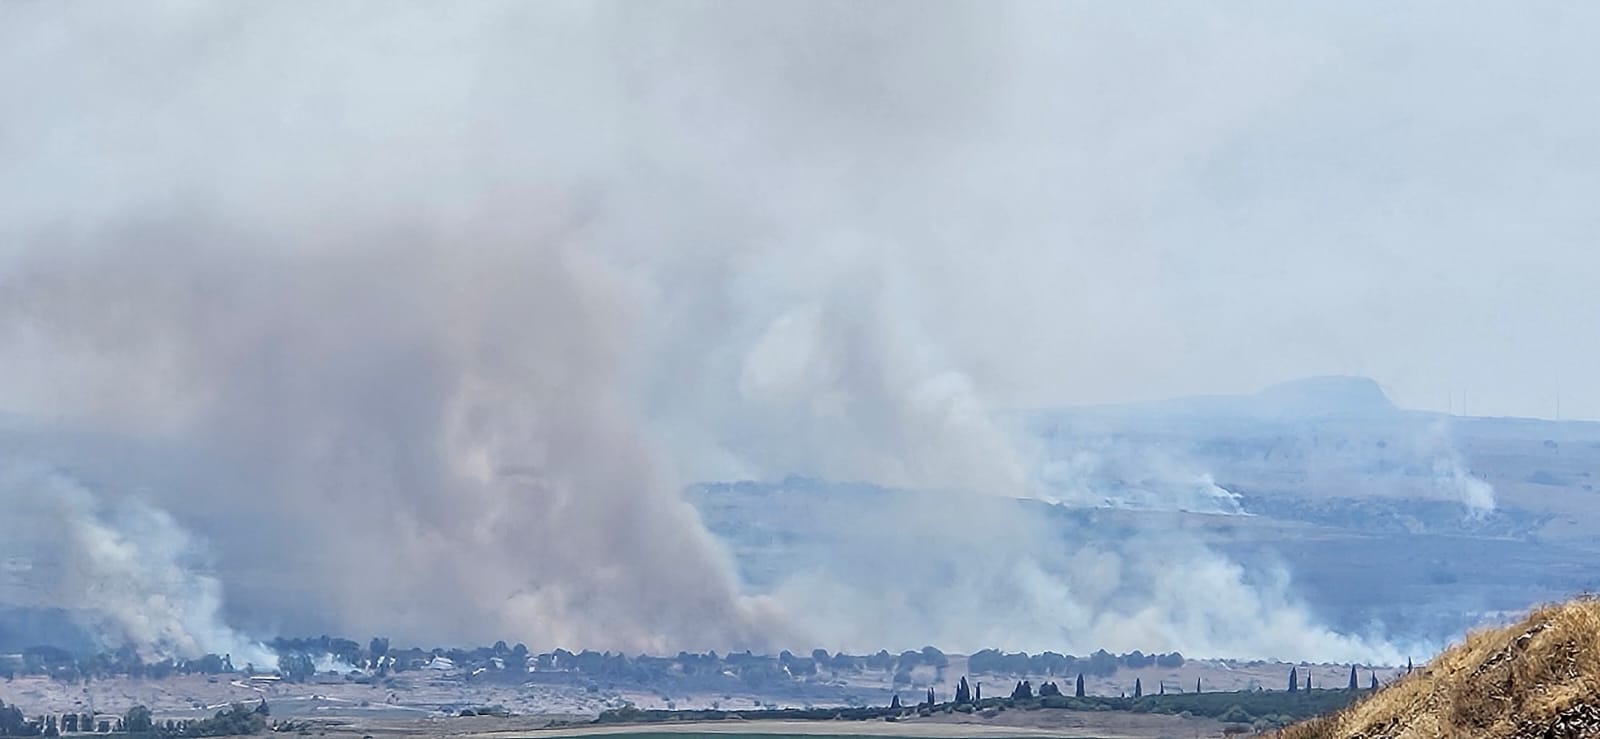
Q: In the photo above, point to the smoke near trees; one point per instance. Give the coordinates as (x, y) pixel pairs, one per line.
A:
(467, 333)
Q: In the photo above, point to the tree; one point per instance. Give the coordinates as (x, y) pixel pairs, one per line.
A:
(1374, 684)
(1079, 691)
(1408, 665)
(1023, 691)
(296, 666)
(236, 720)
(1353, 685)
(379, 646)
(1049, 689)
(1197, 686)
(1101, 663)
(977, 692)
(1294, 679)
(963, 692)
(895, 704)
(11, 719)
(930, 698)
(1138, 688)
(1308, 681)
(1235, 715)
(137, 720)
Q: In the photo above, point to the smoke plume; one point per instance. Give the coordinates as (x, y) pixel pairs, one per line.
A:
(433, 422)
(451, 303)
(130, 571)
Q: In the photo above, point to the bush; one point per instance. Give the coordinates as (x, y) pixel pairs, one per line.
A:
(237, 720)
(1235, 715)
(137, 720)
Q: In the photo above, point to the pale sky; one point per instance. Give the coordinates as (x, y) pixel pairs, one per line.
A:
(1075, 203)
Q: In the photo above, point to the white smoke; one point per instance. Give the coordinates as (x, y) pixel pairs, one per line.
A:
(1114, 473)
(1451, 478)
(976, 592)
(460, 297)
(128, 570)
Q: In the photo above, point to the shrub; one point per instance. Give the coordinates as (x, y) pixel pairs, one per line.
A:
(1235, 715)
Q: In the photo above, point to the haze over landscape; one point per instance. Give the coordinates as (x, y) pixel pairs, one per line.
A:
(1251, 333)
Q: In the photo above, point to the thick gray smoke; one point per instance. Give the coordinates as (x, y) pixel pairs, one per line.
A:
(446, 427)
(454, 300)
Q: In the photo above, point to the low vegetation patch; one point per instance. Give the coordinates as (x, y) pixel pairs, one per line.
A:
(1256, 709)
(1539, 678)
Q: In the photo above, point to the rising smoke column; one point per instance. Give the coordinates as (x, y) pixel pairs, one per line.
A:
(128, 571)
(452, 294)
(441, 426)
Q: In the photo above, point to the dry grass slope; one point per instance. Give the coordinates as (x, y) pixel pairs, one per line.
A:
(1539, 678)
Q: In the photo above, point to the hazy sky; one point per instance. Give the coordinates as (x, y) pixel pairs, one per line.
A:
(482, 286)
(1086, 202)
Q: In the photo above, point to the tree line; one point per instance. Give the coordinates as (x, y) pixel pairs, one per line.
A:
(297, 660)
(236, 720)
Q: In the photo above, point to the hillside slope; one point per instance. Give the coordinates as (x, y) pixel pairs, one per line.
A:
(1539, 678)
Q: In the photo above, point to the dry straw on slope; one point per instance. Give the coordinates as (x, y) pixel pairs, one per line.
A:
(1539, 678)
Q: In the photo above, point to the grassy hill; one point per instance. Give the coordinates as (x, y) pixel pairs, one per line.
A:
(1539, 678)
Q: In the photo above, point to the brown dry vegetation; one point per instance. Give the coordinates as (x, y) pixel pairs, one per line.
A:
(1539, 678)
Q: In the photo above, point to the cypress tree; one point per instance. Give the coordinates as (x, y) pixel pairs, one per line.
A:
(1408, 665)
(1079, 692)
(1374, 683)
(1197, 686)
(1162, 688)
(1308, 681)
(1138, 688)
(977, 692)
(896, 702)
(930, 697)
(1353, 685)
(1294, 679)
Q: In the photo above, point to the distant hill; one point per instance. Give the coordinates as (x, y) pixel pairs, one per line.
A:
(1538, 678)
(1324, 476)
